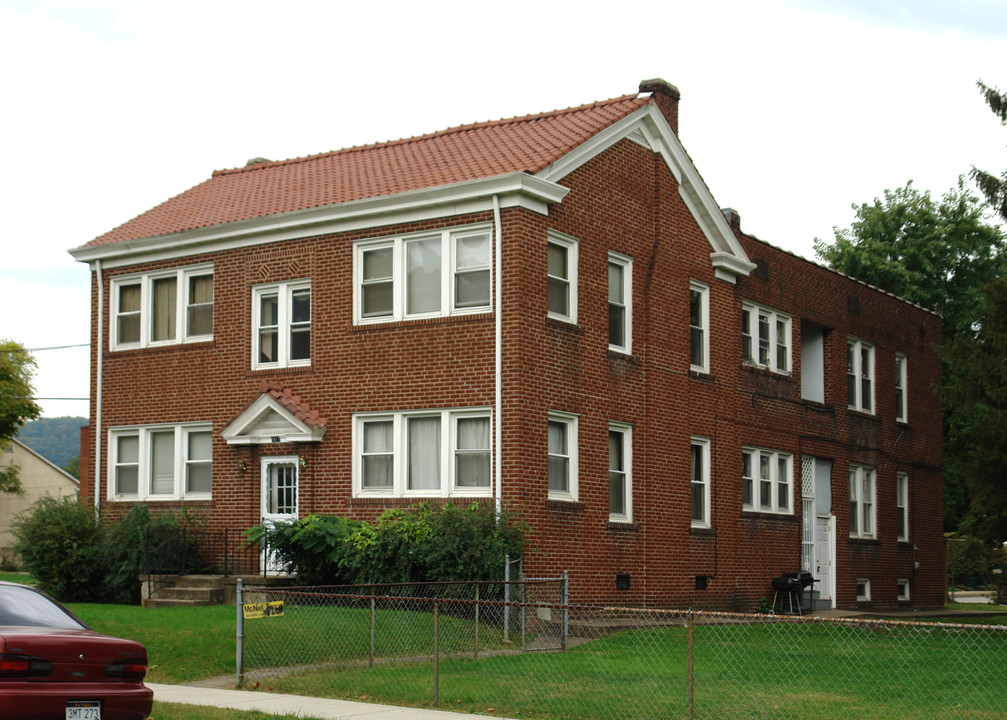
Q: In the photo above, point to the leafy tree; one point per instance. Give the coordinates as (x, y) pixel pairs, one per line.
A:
(937, 254)
(993, 187)
(73, 466)
(17, 368)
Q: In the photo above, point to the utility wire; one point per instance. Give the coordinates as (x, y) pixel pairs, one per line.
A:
(54, 347)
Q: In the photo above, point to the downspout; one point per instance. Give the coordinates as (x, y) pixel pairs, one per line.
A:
(97, 402)
(498, 355)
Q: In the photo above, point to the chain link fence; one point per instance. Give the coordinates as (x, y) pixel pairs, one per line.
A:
(518, 650)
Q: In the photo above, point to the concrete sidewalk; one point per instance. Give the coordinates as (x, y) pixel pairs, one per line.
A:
(277, 704)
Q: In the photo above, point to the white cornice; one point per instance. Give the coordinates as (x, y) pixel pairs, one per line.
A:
(242, 430)
(648, 127)
(513, 190)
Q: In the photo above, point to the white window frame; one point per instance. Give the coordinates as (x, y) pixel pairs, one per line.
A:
(863, 509)
(625, 264)
(752, 337)
(146, 312)
(858, 374)
(400, 448)
(625, 433)
(570, 245)
(143, 433)
(780, 478)
(901, 388)
(865, 594)
(448, 271)
(703, 329)
(704, 480)
(902, 505)
(902, 593)
(284, 308)
(570, 421)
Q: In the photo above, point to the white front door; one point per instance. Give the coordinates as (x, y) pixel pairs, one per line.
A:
(279, 496)
(818, 551)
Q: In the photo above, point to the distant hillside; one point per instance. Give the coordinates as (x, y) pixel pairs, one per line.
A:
(55, 439)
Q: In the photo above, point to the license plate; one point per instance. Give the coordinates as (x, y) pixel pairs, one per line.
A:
(83, 710)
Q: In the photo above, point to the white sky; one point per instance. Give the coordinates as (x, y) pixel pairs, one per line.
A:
(791, 109)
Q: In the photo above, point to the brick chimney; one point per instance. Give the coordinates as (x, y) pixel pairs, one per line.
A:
(666, 96)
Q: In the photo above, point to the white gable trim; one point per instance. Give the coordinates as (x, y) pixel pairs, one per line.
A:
(648, 126)
(251, 428)
(513, 190)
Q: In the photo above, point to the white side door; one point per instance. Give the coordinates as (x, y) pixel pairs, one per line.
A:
(279, 496)
(825, 566)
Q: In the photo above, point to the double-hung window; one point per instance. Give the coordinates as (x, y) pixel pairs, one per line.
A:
(281, 325)
(562, 276)
(160, 462)
(620, 303)
(439, 453)
(162, 308)
(562, 444)
(431, 274)
(902, 506)
(863, 482)
(901, 388)
(765, 338)
(699, 481)
(766, 480)
(699, 324)
(620, 473)
(860, 375)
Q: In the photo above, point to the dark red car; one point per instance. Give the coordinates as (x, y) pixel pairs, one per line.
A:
(52, 665)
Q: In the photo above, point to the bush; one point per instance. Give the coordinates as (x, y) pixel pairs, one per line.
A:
(423, 543)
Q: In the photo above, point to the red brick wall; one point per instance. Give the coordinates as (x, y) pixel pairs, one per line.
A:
(627, 201)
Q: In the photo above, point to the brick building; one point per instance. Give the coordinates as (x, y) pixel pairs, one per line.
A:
(549, 312)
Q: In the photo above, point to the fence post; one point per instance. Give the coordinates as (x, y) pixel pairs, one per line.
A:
(476, 653)
(691, 698)
(437, 658)
(371, 658)
(239, 660)
(566, 608)
(506, 608)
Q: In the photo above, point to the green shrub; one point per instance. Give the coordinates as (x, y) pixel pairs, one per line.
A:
(422, 543)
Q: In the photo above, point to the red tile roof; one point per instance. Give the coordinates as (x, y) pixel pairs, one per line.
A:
(523, 144)
(292, 403)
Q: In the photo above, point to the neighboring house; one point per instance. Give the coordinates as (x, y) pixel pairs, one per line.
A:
(549, 312)
(39, 478)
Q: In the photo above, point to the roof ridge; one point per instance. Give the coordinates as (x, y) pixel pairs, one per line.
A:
(428, 136)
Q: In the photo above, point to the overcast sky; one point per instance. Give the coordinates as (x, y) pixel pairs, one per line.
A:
(791, 109)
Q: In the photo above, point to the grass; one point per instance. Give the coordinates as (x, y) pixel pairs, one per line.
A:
(23, 578)
(176, 711)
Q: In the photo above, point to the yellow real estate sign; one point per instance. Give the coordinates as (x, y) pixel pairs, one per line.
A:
(251, 611)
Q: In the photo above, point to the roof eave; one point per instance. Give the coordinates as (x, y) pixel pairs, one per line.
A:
(518, 189)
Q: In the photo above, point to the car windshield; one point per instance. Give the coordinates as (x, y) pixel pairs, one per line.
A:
(23, 606)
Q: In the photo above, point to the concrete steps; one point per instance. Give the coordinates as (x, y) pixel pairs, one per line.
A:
(186, 591)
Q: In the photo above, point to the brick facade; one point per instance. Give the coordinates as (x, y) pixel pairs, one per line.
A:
(625, 199)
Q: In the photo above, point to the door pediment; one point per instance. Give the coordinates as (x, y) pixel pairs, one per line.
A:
(266, 421)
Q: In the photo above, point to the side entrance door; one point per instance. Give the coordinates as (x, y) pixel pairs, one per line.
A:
(279, 497)
(818, 551)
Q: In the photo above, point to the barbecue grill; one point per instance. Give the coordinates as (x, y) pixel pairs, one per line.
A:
(791, 585)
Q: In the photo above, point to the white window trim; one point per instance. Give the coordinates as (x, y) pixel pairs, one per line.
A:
(571, 422)
(902, 386)
(400, 444)
(448, 238)
(570, 244)
(284, 292)
(142, 433)
(752, 331)
(858, 346)
(774, 479)
(626, 263)
(704, 444)
(866, 596)
(902, 504)
(704, 311)
(902, 592)
(857, 475)
(626, 431)
(146, 281)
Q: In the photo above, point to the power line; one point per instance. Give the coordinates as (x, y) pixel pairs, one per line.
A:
(54, 347)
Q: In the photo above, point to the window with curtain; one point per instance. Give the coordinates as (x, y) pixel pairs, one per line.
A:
(561, 273)
(377, 284)
(771, 488)
(440, 452)
(765, 338)
(423, 276)
(161, 308)
(165, 291)
(282, 322)
(128, 314)
(162, 463)
(127, 465)
(472, 270)
(620, 289)
(198, 462)
(199, 306)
